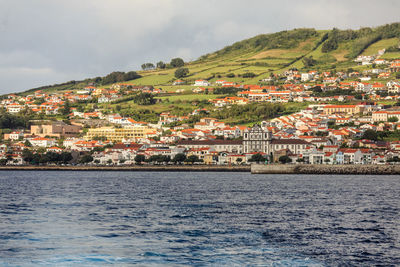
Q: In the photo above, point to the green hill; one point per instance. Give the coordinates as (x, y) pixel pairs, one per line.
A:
(264, 54)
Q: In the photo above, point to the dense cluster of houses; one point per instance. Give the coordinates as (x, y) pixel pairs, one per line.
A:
(52, 103)
(319, 134)
(329, 131)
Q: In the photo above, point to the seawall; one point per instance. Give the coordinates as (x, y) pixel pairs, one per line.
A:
(161, 168)
(324, 169)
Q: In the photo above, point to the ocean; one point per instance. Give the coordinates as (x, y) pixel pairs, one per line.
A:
(62, 218)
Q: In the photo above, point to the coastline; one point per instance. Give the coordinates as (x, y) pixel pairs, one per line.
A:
(253, 169)
(325, 169)
(153, 168)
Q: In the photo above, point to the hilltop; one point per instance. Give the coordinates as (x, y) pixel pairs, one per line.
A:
(256, 58)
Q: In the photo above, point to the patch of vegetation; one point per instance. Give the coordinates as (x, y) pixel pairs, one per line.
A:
(283, 39)
(227, 90)
(252, 112)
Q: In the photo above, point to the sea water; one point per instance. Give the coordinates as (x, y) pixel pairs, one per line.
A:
(51, 218)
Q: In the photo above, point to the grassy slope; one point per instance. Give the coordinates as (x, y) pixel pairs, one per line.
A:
(260, 55)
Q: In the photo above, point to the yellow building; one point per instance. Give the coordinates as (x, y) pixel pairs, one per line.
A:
(347, 109)
(385, 115)
(117, 134)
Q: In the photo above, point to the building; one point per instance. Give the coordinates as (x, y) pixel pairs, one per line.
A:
(296, 146)
(55, 129)
(42, 142)
(385, 115)
(346, 109)
(231, 146)
(118, 134)
(201, 83)
(256, 139)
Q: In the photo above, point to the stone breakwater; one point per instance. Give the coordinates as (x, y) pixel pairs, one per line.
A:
(161, 168)
(325, 169)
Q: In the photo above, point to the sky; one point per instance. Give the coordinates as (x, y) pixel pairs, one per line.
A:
(44, 42)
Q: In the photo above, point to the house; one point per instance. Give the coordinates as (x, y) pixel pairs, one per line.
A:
(178, 82)
(42, 142)
(395, 67)
(15, 135)
(306, 77)
(14, 108)
(54, 149)
(201, 83)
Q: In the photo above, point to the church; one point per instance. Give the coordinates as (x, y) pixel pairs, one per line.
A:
(256, 139)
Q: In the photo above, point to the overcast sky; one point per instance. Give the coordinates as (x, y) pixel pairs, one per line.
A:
(52, 41)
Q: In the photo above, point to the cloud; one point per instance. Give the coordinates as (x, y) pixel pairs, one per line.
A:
(47, 41)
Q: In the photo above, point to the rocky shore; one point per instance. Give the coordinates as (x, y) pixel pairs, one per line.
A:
(325, 169)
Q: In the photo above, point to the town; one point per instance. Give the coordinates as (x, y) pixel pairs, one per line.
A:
(342, 117)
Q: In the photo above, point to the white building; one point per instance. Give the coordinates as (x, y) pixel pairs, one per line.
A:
(201, 83)
(42, 142)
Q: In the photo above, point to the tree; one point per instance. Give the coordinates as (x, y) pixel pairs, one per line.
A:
(27, 155)
(370, 135)
(27, 143)
(65, 157)
(144, 99)
(284, 159)
(161, 65)
(166, 158)
(148, 66)
(257, 158)
(179, 158)
(239, 161)
(66, 109)
(332, 42)
(52, 157)
(177, 62)
(86, 159)
(131, 75)
(192, 159)
(248, 75)
(114, 77)
(139, 159)
(393, 119)
(309, 61)
(181, 72)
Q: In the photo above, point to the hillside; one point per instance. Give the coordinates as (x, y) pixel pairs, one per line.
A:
(273, 53)
(270, 53)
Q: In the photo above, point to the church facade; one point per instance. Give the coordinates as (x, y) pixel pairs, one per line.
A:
(256, 139)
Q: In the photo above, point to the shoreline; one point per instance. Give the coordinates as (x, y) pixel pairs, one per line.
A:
(177, 168)
(253, 169)
(326, 169)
